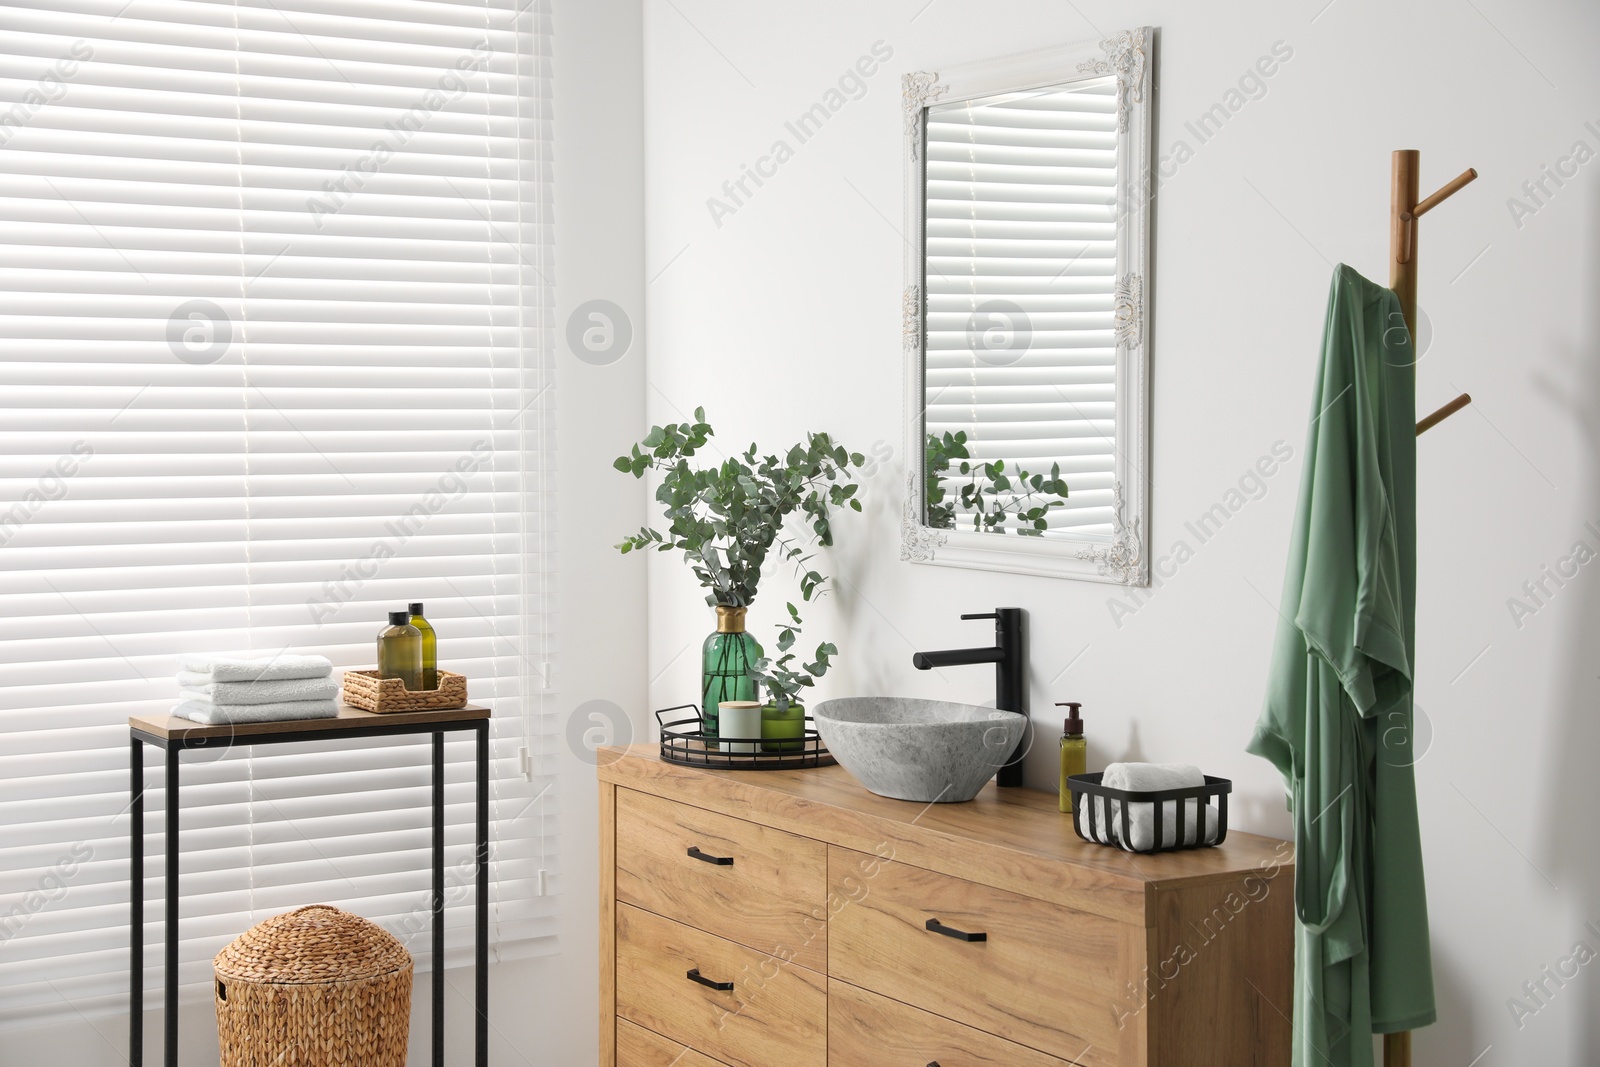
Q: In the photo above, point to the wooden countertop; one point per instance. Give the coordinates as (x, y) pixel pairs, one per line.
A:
(1015, 839)
(170, 727)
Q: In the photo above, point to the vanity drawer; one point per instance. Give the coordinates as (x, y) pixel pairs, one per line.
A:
(638, 1047)
(1041, 975)
(776, 1014)
(752, 884)
(866, 1030)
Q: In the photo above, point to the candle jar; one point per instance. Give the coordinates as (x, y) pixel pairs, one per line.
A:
(740, 719)
(783, 729)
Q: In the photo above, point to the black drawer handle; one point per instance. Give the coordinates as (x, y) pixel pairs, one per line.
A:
(720, 861)
(696, 976)
(949, 931)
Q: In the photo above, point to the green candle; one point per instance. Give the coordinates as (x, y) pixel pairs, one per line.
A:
(787, 726)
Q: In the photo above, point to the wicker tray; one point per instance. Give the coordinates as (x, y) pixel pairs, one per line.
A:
(365, 690)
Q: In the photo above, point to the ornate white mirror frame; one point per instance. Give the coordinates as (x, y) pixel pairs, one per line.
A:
(1122, 556)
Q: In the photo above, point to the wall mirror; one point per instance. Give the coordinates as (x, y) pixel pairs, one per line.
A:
(1026, 312)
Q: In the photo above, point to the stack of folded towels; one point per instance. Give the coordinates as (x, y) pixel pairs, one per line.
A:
(220, 689)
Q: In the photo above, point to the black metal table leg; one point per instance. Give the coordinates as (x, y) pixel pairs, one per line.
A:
(136, 903)
(437, 978)
(481, 911)
(169, 1048)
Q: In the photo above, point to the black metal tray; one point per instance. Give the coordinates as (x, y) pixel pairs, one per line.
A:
(684, 741)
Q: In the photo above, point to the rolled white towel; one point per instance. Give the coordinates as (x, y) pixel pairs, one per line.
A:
(199, 689)
(271, 668)
(1148, 777)
(224, 714)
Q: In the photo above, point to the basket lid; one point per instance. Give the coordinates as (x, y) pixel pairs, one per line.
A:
(314, 945)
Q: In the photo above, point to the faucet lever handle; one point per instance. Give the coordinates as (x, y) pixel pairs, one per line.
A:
(982, 615)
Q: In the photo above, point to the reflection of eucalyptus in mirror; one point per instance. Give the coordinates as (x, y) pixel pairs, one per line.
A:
(990, 494)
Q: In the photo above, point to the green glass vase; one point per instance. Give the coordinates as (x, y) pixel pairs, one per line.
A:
(725, 662)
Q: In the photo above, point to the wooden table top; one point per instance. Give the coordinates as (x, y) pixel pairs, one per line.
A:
(171, 728)
(1006, 837)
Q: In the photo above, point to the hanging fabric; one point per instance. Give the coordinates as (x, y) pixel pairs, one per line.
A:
(1338, 716)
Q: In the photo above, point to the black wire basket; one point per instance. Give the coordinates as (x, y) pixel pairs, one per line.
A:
(684, 740)
(1101, 814)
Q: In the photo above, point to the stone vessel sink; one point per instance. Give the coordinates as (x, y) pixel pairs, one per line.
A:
(922, 750)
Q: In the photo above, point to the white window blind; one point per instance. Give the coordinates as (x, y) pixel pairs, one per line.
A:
(1021, 279)
(274, 306)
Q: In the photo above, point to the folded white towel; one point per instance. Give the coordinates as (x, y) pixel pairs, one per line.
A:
(272, 668)
(201, 690)
(1144, 777)
(222, 714)
(1149, 777)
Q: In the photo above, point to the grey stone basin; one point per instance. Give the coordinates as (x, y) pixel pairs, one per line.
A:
(922, 750)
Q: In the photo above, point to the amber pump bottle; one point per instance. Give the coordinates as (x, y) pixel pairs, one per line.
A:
(1074, 751)
(430, 647)
(400, 651)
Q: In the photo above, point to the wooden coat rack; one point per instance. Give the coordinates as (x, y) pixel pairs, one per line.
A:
(1404, 211)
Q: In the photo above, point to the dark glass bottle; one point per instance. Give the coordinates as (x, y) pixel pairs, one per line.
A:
(400, 651)
(430, 647)
(725, 661)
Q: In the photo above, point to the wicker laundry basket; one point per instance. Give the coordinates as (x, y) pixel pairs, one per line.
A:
(315, 987)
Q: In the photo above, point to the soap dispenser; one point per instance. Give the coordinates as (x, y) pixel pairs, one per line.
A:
(1074, 751)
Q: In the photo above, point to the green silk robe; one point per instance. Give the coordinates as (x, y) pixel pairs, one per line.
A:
(1337, 720)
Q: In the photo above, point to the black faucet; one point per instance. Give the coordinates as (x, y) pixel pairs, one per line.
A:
(1010, 669)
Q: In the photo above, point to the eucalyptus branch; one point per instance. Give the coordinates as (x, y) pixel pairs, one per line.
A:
(727, 518)
(782, 682)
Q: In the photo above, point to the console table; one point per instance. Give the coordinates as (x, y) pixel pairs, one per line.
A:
(174, 735)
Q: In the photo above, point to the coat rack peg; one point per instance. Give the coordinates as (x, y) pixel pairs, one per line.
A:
(1430, 421)
(1449, 189)
(1405, 236)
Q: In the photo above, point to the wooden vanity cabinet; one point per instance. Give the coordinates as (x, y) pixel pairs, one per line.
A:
(793, 919)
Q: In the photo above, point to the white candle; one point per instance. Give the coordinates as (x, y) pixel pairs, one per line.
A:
(739, 718)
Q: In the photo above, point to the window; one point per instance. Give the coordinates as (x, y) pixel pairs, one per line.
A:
(274, 303)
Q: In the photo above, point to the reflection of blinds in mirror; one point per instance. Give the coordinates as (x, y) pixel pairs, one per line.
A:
(1020, 283)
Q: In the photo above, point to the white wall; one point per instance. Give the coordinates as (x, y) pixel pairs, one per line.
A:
(542, 1012)
(785, 317)
(546, 1010)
